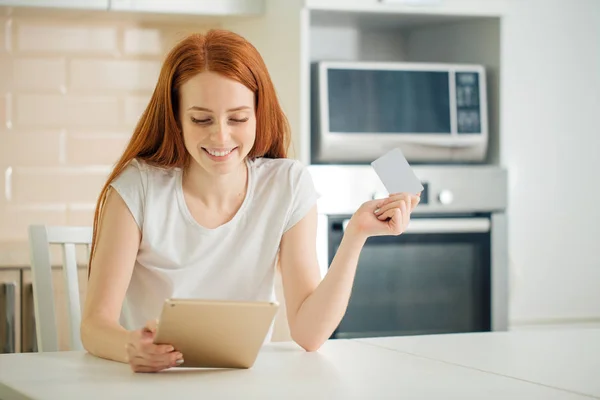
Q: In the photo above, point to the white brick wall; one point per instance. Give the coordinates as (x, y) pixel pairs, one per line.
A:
(142, 41)
(98, 74)
(39, 73)
(68, 39)
(70, 94)
(56, 110)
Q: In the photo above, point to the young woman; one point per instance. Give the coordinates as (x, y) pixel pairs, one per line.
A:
(204, 204)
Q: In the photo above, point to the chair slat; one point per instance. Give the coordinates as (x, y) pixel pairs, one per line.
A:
(69, 234)
(71, 279)
(43, 289)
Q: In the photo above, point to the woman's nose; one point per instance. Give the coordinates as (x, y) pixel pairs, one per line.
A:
(221, 133)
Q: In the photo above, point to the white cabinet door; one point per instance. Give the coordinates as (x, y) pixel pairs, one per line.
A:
(74, 4)
(198, 7)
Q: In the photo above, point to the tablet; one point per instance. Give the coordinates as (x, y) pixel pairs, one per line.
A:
(215, 333)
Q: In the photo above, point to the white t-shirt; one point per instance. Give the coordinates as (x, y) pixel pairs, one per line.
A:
(179, 258)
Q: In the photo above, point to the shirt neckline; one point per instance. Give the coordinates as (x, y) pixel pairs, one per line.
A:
(227, 225)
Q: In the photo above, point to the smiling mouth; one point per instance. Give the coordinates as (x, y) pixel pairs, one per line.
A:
(219, 152)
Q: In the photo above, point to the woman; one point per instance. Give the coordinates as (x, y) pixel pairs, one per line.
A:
(204, 204)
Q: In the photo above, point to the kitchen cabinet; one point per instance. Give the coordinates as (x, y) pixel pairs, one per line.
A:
(191, 7)
(60, 305)
(442, 7)
(170, 7)
(67, 4)
(10, 305)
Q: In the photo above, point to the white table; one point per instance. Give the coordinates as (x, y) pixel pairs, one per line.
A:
(341, 369)
(565, 359)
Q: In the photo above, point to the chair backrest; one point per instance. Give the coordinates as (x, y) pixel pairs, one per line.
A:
(40, 239)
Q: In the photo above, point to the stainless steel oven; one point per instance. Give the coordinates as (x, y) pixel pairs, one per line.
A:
(447, 273)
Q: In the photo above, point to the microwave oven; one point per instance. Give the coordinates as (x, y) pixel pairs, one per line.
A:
(436, 113)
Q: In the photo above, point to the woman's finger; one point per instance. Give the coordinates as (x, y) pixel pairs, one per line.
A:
(155, 361)
(405, 215)
(415, 200)
(388, 206)
(392, 205)
(396, 221)
(157, 349)
(386, 215)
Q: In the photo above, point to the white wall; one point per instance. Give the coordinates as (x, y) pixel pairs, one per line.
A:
(277, 37)
(550, 144)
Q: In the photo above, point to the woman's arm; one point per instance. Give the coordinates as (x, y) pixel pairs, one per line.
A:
(315, 309)
(112, 267)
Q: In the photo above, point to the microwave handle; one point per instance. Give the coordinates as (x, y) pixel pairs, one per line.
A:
(443, 225)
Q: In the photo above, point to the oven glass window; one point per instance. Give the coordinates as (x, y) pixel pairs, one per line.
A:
(419, 284)
(379, 101)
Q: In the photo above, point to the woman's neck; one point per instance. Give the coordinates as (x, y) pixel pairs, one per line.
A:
(216, 191)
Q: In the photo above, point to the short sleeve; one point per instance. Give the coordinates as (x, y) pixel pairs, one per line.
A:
(131, 186)
(304, 194)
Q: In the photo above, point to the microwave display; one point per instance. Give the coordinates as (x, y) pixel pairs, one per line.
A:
(387, 101)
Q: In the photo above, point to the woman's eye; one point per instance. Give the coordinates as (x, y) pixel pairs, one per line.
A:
(200, 121)
(239, 120)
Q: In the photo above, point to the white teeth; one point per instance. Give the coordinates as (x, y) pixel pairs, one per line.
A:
(218, 153)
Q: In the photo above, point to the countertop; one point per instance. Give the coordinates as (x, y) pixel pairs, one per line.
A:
(466, 366)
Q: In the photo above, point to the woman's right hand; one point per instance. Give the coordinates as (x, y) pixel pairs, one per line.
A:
(145, 356)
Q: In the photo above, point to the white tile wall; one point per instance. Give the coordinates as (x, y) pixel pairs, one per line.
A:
(31, 185)
(134, 106)
(6, 72)
(95, 149)
(70, 94)
(33, 149)
(50, 111)
(98, 74)
(142, 41)
(57, 38)
(14, 220)
(5, 35)
(4, 109)
(37, 73)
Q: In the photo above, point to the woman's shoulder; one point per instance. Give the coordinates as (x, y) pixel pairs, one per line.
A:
(277, 167)
(138, 170)
(282, 174)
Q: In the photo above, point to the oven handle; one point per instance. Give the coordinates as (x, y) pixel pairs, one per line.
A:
(444, 225)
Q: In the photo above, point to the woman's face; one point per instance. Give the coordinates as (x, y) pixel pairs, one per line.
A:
(218, 121)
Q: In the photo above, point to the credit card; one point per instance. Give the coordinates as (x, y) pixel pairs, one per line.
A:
(396, 174)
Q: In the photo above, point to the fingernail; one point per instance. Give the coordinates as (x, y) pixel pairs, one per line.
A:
(376, 211)
(170, 348)
(179, 362)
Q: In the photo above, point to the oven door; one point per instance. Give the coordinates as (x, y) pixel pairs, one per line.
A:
(434, 278)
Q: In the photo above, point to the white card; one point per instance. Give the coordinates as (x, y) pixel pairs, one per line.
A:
(395, 173)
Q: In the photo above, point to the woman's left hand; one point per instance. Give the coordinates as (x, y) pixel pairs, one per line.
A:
(389, 216)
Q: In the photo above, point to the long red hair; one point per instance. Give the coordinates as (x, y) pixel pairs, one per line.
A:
(157, 138)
